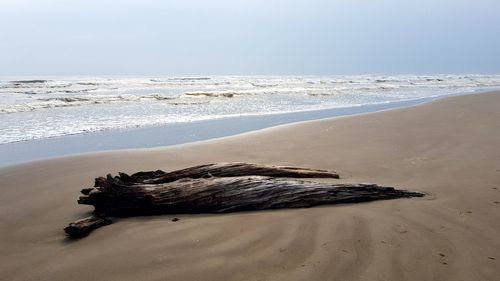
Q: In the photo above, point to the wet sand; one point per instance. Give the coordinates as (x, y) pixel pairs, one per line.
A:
(449, 149)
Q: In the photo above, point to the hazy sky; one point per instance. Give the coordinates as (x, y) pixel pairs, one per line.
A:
(179, 37)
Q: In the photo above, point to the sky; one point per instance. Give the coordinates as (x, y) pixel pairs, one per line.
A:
(252, 37)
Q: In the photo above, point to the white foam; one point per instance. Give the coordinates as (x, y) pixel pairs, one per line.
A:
(56, 106)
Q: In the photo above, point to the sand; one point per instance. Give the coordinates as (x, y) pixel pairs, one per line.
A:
(449, 149)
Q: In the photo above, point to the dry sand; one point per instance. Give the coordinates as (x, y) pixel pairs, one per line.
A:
(449, 149)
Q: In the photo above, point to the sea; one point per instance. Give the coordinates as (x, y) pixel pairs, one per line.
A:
(33, 108)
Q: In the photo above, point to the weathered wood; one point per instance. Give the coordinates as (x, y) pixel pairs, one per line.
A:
(225, 170)
(231, 194)
(83, 227)
(219, 188)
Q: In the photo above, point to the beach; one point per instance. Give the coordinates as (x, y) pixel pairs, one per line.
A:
(448, 149)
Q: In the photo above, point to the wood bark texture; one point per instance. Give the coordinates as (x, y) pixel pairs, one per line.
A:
(218, 188)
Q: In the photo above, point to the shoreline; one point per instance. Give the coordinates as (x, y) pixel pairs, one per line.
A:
(447, 148)
(18, 153)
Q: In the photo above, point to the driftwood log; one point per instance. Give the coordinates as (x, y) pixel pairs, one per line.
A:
(218, 188)
(81, 228)
(225, 170)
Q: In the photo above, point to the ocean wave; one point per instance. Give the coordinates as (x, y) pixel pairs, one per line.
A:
(382, 80)
(190, 78)
(46, 92)
(180, 79)
(210, 94)
(36, 81)
(321, 94)
(26, 107)
(67, 101)
(88, 83)
(93, 102)
(263, 85)
(188, 102)
(158, 97)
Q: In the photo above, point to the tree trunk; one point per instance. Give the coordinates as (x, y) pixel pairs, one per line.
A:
(219, 188)
(226, 170)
